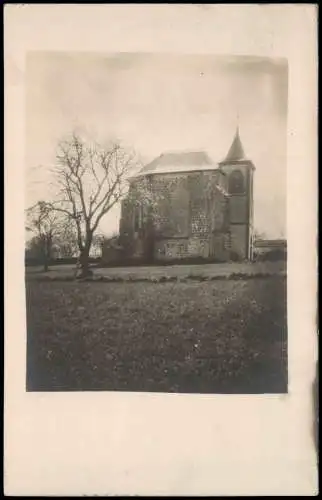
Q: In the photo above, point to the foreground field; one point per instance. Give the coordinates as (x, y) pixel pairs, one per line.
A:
(208, 337)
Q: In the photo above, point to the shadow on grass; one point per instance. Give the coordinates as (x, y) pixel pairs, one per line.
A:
(161, 279)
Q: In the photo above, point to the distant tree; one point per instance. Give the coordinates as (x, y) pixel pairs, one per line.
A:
(33, 248)
(45, 224)
(91, 179)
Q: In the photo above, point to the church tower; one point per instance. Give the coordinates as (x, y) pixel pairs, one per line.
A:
(240, 173)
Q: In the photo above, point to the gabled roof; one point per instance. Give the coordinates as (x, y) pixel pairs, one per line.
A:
(236, 151)
(180, 161)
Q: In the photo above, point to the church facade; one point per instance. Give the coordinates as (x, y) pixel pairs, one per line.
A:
(184, 206)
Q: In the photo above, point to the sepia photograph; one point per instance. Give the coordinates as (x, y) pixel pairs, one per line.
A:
(161, 264)
(155, 223)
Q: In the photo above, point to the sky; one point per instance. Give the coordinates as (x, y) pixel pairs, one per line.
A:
(156, 103)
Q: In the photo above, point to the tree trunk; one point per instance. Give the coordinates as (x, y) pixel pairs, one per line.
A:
(84, 260)
(84, 263)
(45, 257)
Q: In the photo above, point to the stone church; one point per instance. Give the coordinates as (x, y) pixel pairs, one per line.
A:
(184, 206)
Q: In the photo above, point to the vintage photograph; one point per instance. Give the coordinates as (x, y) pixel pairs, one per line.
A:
(155, 223)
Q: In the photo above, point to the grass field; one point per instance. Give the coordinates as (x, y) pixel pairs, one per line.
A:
(208, 337)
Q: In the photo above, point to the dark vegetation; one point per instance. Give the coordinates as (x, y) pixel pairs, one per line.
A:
(36, 261)
(272, 256)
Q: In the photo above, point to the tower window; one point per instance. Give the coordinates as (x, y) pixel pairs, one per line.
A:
(236, 182)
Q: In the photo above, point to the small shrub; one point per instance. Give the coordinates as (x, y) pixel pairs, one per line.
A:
(272, 256)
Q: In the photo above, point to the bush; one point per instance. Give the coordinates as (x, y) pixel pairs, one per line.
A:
(138, 262)
(272, 255)
(235, 257)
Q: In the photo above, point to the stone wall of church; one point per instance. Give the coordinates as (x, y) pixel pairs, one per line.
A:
(214, 248)
(170, 194)
(195, 210)
(188, 216)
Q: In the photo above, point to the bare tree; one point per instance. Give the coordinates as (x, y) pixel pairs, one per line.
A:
(91, 180)
(46, 224)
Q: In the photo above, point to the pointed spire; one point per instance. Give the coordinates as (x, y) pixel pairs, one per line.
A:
(236, 151)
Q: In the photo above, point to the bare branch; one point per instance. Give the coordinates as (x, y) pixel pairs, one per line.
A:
(90, 180)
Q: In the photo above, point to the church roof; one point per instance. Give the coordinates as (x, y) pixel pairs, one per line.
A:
(179, 161)
(236, 151)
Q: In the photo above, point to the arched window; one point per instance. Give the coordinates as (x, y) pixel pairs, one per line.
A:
(236, 182)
